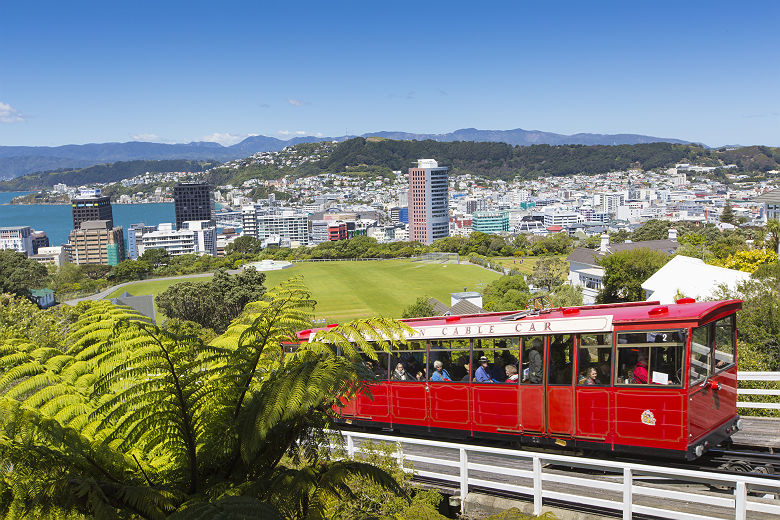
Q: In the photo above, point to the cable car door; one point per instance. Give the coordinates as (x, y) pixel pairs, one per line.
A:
(559, 384)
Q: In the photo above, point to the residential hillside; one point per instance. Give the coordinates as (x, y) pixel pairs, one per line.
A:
(375, 156)
(113, 172)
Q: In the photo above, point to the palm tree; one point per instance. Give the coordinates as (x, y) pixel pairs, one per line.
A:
(126, 420)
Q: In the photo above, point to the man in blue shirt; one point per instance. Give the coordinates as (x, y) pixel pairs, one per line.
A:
(482, 375)
(439, 374)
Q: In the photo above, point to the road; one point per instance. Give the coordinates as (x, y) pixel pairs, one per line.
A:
(105, 292)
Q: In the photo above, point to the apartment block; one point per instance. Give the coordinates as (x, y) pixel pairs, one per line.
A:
(97, 242)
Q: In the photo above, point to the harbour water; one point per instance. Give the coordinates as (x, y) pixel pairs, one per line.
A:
(57, 221)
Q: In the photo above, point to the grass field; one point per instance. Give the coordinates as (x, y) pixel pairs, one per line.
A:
(524, 264)
(347, 290)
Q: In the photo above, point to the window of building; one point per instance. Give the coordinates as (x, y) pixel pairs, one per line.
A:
(650, 358)
(594, 361)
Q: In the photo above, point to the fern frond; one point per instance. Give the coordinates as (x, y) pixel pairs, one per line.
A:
(227, 508)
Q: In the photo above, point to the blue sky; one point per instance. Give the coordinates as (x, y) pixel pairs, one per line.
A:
(78, 72)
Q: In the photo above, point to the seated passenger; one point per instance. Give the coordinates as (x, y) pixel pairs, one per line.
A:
(639, 374)
(511, 374)
(467, 366)
(439, 374)
(399, 374)
(482, 375)
(419, 376)
(591, 377)
(535, 362)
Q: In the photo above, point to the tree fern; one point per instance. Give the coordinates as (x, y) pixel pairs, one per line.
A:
(122, 419)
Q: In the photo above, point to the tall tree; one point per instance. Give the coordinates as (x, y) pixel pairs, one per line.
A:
(727, 215)
(625, 271)
(214, 303)
(19, 274)
(510, 292)
(126, 420)
(549, 272)
(419, 309)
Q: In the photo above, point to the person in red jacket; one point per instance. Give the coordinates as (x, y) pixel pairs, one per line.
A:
(640, 370)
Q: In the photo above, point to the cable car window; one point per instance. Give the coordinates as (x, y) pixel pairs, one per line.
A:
(650, 358)
(594, 362)
(377, 364)
(412, 363)
(533, 360)
(725, 343)
(496, 360)
(561, 359)
(448, 360)
(701, 349)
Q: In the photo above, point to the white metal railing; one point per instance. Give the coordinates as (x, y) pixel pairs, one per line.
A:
(758, 376)
(622, 487)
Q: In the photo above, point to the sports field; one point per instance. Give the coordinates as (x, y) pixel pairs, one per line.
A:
(348, 290)
(524, 264)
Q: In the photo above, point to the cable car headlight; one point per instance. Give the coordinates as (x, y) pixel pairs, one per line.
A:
(699, 450)
(738, 425)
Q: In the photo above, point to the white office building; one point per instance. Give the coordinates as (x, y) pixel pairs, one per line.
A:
(205, 236)
(196, 237)
(18, 238)
(609, 202)
(56, 255)
(553, 217)
(287, 224)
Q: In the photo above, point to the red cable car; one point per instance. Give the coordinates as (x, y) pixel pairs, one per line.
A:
(636, 377)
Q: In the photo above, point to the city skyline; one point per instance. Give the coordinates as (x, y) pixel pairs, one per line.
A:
(186, 72)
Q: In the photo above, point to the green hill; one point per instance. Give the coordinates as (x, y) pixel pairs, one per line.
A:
(503, 161)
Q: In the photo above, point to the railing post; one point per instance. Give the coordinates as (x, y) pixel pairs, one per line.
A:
(740, 501)
(400, 451)
(464, 478)
(350, 446)
(628, 492)
(537, 486)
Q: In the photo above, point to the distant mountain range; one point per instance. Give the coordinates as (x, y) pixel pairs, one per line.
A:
(19, 160)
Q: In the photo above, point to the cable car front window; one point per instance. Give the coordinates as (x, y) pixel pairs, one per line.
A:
(650, 358)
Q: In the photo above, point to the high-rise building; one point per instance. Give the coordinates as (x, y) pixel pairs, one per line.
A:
(39, 240)
(97, 242)
(192, 201)
(428, 202)
(91, 205)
